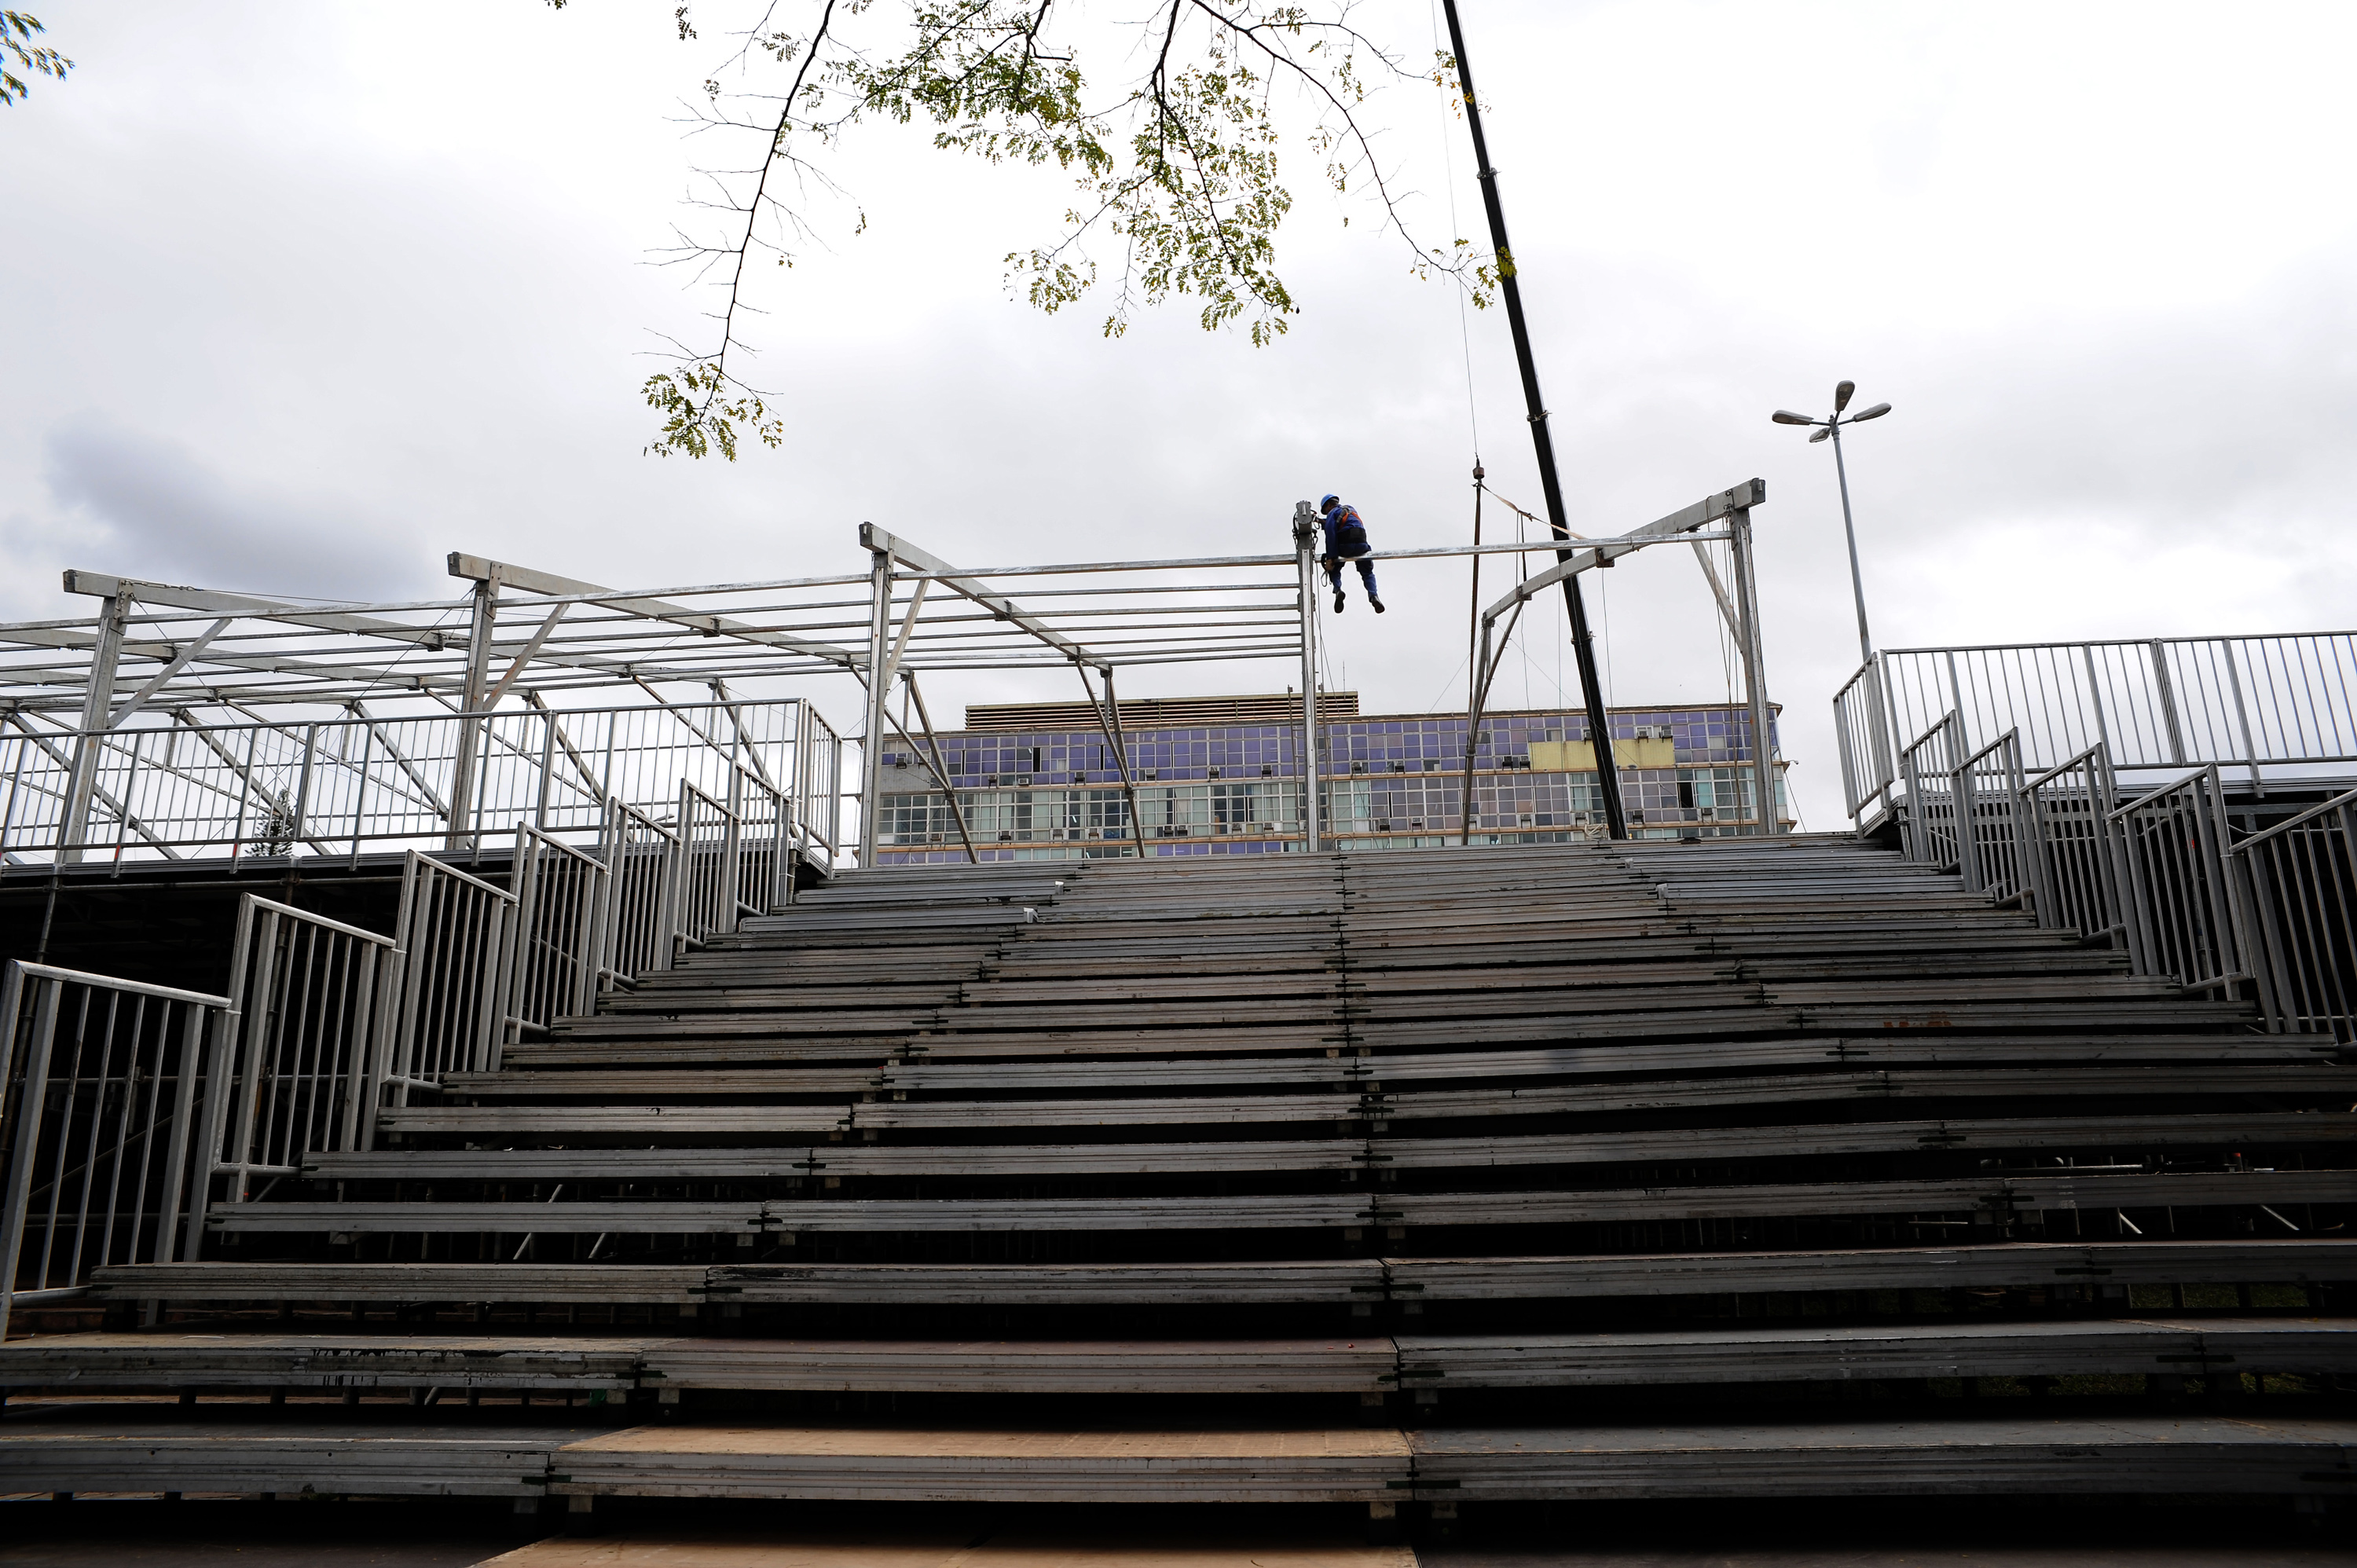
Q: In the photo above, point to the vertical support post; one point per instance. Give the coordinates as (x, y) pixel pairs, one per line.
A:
(1755, 679)
(194, 1027)
(89, 745)
(360, 788)
(2166, 690)
(732, 863)
(482, 624)
(1305, 546)
(2095, 694)
(1956, 704)
(2243, 718)
(1886, 762)
(18, 1177)
(547, 770)
(302, 787)
(871, 761)
(797, 808)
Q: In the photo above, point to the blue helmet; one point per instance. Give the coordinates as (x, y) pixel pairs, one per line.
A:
(1329, 504)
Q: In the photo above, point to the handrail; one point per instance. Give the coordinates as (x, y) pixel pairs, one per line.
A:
(2123, 642)
(2059, 769)
(319, 919)
(1993, 746)
(2257, 839)
(136, 987)
(2157, 791)
(1937, 724)
(2269, 703)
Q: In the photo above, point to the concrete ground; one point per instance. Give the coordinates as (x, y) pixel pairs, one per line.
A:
(1867, 1533)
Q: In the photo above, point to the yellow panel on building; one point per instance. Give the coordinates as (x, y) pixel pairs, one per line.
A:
(1578, 756)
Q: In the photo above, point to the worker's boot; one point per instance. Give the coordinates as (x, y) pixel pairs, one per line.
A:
(1338, 601)
(1378, 604)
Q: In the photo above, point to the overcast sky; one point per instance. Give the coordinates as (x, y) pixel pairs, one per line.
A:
(302, 297)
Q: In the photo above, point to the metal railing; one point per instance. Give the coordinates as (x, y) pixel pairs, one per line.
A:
(817, 787)
(127, 1110)
(457, 964)
(706, 881)
(2299, 884)
(2000, 858)
(2184, 919)
(342, 786)
(2069, 807)
(308, 998)
(561, 899)
(2275, 705)
(636, 929)
(1929, 766)
(100, 1082)
(2271, 919)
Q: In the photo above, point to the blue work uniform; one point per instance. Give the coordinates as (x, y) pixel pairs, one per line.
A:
(1338, 551)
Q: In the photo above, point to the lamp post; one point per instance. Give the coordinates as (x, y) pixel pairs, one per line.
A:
(1833, 426)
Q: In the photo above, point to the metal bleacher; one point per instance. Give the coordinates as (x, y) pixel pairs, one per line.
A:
(1743, 1167)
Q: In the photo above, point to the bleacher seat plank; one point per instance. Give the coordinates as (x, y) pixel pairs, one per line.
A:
(2293, 1260)
(1003, 1464)
(281, 1361)
(1745, 1353)
(1985, 1456)
(1028, 1367)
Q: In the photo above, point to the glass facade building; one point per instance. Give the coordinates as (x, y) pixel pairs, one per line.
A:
(1390, 782)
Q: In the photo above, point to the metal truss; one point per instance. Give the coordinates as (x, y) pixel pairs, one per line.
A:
(520, 638)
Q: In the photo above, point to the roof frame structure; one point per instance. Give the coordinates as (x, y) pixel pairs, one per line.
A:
(171, 654)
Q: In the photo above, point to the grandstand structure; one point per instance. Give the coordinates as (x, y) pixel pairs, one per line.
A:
(665, 1138)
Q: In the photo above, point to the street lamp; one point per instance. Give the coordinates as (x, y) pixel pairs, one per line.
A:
(1833, 427)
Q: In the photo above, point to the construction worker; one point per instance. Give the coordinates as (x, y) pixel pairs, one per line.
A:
(1346, 539)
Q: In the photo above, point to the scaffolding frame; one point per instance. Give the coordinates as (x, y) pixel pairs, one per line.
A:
(518, 637)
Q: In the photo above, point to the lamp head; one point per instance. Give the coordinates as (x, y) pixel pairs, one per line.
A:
(1876, 411)
(1820, 435)
(1786, 416)
(1842, 395)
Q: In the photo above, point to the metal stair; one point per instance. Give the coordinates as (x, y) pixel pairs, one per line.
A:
(1643, 1169)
